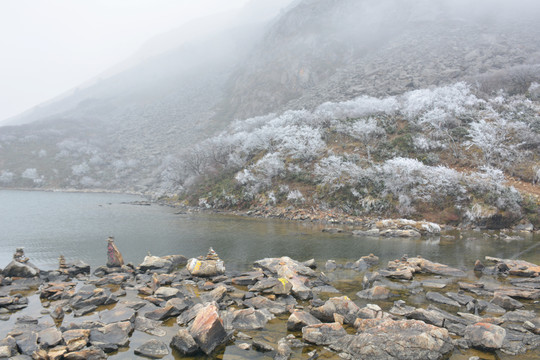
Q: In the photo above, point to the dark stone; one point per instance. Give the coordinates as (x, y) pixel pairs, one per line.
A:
(111, 337)
(162, 313)
(153, 349)
(18, 269)
(49, 338)
(299, 319)
(184, 342)
(207, 329)
(441, 299)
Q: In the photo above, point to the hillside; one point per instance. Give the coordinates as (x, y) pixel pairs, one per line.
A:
(145, 125)
(442, 154)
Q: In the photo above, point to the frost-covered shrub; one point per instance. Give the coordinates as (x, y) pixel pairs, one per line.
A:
(6, 177)
(404, 176)
(80, 169)
(295, 196)
(360, 107)
(337, 171)
(453, 99)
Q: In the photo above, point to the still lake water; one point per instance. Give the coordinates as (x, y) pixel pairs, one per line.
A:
(77, 225)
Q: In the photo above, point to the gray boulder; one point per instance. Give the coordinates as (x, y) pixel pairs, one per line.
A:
(153, 349)
(485, 336)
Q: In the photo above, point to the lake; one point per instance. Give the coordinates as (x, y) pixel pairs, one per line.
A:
(77, 225)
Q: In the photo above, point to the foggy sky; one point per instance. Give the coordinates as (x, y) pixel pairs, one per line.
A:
(50, 46)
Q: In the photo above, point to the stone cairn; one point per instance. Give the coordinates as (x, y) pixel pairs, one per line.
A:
(62, 263)
(114, 257)
(19, 256)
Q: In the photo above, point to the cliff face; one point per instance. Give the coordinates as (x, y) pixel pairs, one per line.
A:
(126, 128)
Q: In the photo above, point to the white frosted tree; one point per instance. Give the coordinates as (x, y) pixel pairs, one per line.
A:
(368, 132)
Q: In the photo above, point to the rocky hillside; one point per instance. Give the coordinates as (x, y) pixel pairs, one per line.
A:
(133, 130)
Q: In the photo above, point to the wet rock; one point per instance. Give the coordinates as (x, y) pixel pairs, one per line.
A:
(118, 314)
(152, 327)
(403, 273)
(114, 257)
(188, 315)
(323, 334)
(49, 338)
(299, 288)
(377, 292)
(244, 346)
(529, 294)
(276, 265)
(277, 286)
(207, 329)
(372, 311)
(155, 263)
(485, 336)
(519, 316)
(299, 319)
(162, 313)
(441, 299)
(205, 268)
(310, 263)
(91, 353)
(390, 339)
(423, 227)
(428, 316)
(166, 293)
(8, 347)
(215, 295)
(410, 233)
(330, 265)
(460, 297)
(400, 308)
(91, 296)
(261, 302)
(247, 279)
(27, 342)
(76, 339)
(261, 346)
(111, 337)
(283, 351)
(506, 302)
(516, 267)
(153, 349)
(56, 291)
(184, 343)
(337, 305)
(22, 270)
(370, 232)
(85, 310)
(249, 319)
(533, 325)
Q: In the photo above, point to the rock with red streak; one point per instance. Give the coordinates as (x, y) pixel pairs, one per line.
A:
(485, 336)
(379, 339)
(207, 329)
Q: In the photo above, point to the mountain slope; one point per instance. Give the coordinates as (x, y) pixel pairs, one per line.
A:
(129, 130)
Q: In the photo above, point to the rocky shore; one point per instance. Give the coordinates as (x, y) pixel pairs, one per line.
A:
(409, 308)
(339, 221)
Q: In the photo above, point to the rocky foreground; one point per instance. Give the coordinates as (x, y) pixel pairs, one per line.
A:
(85, 316)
